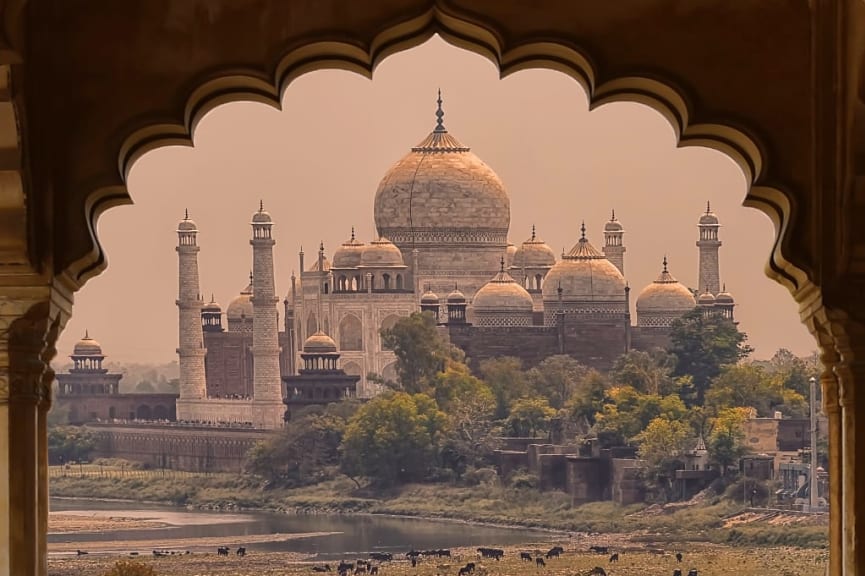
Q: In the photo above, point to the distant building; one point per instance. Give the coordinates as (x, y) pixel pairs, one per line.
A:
(91, 393)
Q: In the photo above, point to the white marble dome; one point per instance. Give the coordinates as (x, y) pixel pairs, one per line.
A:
(663, 301)
(319, 343)
(241, 305)
(348, 255)
(584, 275)
(502, 302)
(381, 253)
(440, 192)
(534, 253)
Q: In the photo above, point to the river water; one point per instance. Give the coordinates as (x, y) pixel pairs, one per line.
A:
(349, 535)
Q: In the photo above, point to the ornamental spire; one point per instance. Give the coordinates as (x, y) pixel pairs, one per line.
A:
(260, 206)
(533, 232)
(440, 114)
(352, 233)
(186, 213)
(503, 265)
(665, 263)
(613, 217)
(708, 207)
(583, 231)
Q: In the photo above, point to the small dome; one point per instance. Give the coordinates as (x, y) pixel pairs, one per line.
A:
(319, 343)
(706, 299)
(262, 216)
(613, 225)
(212, 306)
(314, 267)
(510, 252)
(708, 218)
(241, 306)
(584, 275)
(724, 297)
(502, 294)
(381, 253)
(87, 346)
(666, 294)
(186, 225)
(349, 254)
(456, 297)
(534, 253)
(429, 297)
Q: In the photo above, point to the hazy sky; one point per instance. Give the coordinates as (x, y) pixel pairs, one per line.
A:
(317, 163)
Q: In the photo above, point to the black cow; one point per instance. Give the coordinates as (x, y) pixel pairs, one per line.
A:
(677, 572)
(679, 557)
(599, 549)
(491, 553)
(81, 552)
(525, 556)
(241, 551)
(614, 557)
(222, 551)
(467, 569)
(555, 551)
(344, 567)
(693, 572)
(381, 556)
(597, 571)
(540, 562)
(325, 568)
(373, 570)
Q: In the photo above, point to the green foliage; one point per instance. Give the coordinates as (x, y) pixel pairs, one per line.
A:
(582, 408)
(727, 440)
(529, 417)
(627, 412)
(647, 372)
(557, 379)
(662, 444)
(703, 344)
(69, 444)
(507, 381)
(130, 568)
(420, 351)
(393, 439)
(750, 385)
(305, 449)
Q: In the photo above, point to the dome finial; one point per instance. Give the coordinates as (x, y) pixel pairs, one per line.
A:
(212, 298)
(503, 264)
(352, 233)
(186, 213)
(86, 334)
(533, 232)
(250, 276)
(260, 206)
(708, 207)
(440, 114)
(321, 246)
(613, 217)
(665, 263)
(583, 230)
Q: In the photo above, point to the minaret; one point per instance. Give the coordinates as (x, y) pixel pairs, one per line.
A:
(268, 410)
(614, 247)
(709, 275)
(191, 338)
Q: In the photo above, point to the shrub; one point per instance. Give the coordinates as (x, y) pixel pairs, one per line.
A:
(130, 568)
(481, 476)
(523, 479)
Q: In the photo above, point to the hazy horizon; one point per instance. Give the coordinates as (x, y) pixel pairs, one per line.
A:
(317, 163)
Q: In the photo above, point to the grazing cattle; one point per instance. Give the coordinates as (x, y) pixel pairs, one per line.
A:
(344, 567)
(222, 551)
(678, 557)
(414, 561)
(540, 562)
(677, 572)
(81, 552)
(599, 549)
(241, 551)
(373, 570)
(381, 556)
(136, 553)
(692, 572)
(597, 571)
(467, 569)
(325, 568)
(525, 556)
(491, 553)
(554, 552)
(614, 557)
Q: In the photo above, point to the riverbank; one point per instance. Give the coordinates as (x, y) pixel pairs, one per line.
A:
(704, 520)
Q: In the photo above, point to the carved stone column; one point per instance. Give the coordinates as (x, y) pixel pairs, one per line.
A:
(30, 320)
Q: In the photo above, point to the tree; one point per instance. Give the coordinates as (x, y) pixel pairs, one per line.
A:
(529, 416)
(586, 403)
(145, 387)
(420, 351)
(749, 385)
(703, 344)
(305, 449)
(557, 379)
(507, 381)
(662, 444)
(727, 440)
(393, 439)
(646, 372)
(627, 412)
(70, 444)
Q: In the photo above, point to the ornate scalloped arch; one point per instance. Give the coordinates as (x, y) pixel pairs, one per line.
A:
(664, 97)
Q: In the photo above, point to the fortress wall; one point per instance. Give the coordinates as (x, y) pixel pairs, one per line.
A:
(194, 449)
